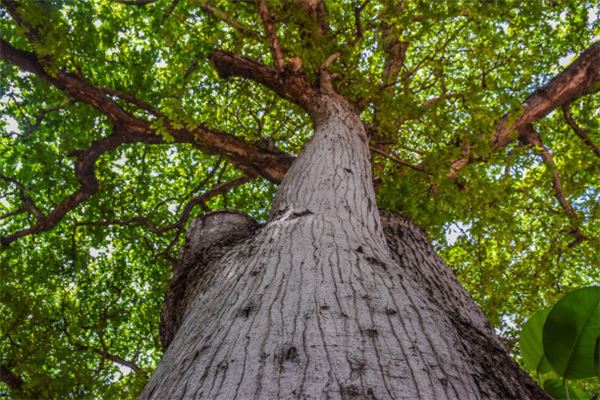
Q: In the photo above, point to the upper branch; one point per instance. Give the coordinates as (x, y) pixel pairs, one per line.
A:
(290, 85)
(532, 138)
(88, 183)
(580, 132)
(269, 23)
(578, 79)
(251, 159)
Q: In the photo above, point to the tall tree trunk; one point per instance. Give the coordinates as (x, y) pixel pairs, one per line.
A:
(325, 300)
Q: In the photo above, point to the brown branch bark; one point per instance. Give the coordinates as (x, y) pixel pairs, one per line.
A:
(269, 24)
(578, 79)
(88, 183)
(292, 86)
(578, 131)
(532, 138)
(249, 158)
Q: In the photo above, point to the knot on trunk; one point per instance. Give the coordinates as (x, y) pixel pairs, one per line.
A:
(207, 239)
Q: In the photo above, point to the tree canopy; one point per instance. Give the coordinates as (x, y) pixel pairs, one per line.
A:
(118, 126)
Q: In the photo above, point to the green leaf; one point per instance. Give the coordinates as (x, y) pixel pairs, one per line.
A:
(571, 331)
(556, 389)
(532, 347)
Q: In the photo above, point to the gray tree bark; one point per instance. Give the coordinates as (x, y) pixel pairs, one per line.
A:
(328, 300)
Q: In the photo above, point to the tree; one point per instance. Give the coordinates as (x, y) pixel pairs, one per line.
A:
(126, 117)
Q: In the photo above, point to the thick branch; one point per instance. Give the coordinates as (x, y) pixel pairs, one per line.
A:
(248, 157)
(71, 84)
(88, 183)
(292, 86)
(580, 78)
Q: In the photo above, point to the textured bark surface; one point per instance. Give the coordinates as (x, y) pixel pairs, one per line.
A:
(317, 304)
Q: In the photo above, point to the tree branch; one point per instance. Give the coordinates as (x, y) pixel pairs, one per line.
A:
(27, 204)
(532, 138)
(108, 356)
(248, 157)
(580, 132)
(317, 10)
(578, 79)
(88, 183)
(418, 168)
(269, 25)
(201, 200)
(292, 86)
(228, 19)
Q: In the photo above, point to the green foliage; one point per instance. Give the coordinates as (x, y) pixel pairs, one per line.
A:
(558, 390)
(82, 298)
(532, 347)
(572, 334)
(564, 341)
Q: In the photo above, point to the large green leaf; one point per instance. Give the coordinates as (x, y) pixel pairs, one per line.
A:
(556, 389)
(571, 331)
(532, 348)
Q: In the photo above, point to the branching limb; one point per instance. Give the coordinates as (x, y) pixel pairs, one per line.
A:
(269, 24)
(291, 86)
(250, 158)
(578, 79)
(88, 183)
(577, 129)
(325, 75)
(532, 138)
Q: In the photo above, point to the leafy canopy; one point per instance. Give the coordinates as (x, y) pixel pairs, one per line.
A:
(81, 293)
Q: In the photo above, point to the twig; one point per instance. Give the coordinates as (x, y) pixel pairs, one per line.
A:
(577, 129)
(228, 19)
(533, 138)
(397, 160)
